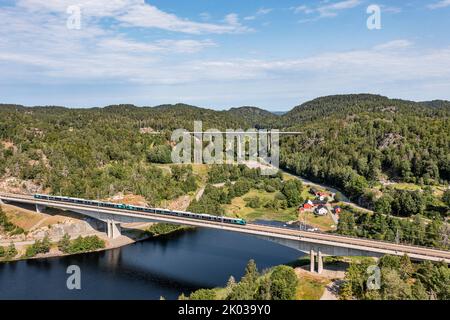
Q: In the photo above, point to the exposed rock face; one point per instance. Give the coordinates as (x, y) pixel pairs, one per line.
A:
(60, 229)
(390, 139)
(15, 185)
(56, 231)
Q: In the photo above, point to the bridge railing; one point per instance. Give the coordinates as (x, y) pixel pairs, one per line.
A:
(275, 227)
(360, 238)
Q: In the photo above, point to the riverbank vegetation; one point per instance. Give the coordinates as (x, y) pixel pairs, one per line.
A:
(39, 247)
(278, 283)
(80, 244)
(65, 245)
(7, 253)
(160, 229)
(400, 279)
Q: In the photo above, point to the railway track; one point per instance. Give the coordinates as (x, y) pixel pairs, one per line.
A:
(332, 239)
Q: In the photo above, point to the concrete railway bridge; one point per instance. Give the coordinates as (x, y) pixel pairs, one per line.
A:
(316, 244)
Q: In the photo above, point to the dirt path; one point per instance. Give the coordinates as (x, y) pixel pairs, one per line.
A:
(332, 290)
(199, 194)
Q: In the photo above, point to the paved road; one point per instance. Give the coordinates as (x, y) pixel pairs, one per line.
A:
(345, 199)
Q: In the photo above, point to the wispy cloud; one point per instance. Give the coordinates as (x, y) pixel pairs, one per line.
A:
(394, 45)
(391, 9)
(260, 12)
(148, 16)
(326, 9)
(439, 4)
(135, 13)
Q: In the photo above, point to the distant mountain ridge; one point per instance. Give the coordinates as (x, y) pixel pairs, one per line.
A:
(172, 115)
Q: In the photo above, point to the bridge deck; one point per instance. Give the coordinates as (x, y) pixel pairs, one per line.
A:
(323, 239)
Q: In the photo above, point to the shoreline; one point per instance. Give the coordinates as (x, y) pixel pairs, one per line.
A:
(120, 242)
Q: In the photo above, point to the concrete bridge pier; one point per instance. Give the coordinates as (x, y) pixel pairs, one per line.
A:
(312, 265)
(319, 262)
(113, 229)
(311, 259)
(40, 208)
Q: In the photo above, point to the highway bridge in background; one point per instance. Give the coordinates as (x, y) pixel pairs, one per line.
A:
(315, 243)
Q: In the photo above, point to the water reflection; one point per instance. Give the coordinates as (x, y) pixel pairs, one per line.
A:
(158, 267)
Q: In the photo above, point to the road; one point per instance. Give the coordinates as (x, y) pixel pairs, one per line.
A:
(344, 200)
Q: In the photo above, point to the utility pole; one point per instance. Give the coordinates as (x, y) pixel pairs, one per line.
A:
(397, 237)
(445, 234)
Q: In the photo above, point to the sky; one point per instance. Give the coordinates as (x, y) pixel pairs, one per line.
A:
(274, 54)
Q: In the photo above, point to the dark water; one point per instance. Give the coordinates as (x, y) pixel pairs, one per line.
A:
(147, 270)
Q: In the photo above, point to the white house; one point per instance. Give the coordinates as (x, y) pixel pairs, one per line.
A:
(321, 211)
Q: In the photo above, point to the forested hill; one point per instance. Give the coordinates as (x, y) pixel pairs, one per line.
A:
(438, 104)
(348, 141)
(341, 106)
(352, 140)
(257, 117)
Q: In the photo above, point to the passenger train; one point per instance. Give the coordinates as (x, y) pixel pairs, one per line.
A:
(102, 204)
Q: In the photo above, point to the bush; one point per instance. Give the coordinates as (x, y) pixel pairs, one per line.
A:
(160, 154)
(81, 244)
(203, 294)
(39, 247)
(64, 243)
(163, 228)
(11, 251)
(253, 202)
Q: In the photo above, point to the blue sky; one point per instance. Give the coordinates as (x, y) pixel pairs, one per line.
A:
(221, 53)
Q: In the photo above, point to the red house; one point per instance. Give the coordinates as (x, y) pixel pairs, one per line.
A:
(308, 205)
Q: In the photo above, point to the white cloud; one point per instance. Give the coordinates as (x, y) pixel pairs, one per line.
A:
(394, 45)
(263, 11)
(260, 12)
(92, 8)
(161, 46)
(390, 9)
(39, 46)
(326, 9)
(136, 13)
(439, 4)
(303, 9)
(331, 10)
(36, 46)
(120, 59)
(148, 16)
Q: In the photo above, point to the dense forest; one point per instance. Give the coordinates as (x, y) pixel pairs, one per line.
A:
(347, 141)
(400, 279)
(352, 141)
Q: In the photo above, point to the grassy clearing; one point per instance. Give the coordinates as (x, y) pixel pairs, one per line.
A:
(311, 287)
(438, 190)
(324, 223)
(238, 208)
